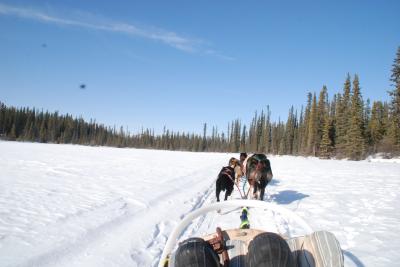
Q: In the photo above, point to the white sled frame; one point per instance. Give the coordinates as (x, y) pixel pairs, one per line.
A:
(176, 233)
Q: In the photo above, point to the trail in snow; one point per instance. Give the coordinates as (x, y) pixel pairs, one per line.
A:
(65, 205)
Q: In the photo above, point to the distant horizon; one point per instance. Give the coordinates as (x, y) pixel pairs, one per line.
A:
(159, 128)
(181, 65)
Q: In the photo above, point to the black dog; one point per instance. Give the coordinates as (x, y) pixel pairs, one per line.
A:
(259, 174)
(226, 178)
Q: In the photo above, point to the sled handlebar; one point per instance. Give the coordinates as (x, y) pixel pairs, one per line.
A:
(175, 234)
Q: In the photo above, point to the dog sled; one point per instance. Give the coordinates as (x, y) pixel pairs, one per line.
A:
(251, 247)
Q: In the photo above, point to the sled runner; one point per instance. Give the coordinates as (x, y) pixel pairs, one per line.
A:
(251, 247)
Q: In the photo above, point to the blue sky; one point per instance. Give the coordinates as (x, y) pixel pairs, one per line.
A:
(183, 63)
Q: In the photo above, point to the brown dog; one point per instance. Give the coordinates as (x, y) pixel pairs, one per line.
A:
(259, 173)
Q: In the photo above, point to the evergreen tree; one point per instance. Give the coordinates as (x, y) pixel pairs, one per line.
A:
(236, 136)
(204, 140)
(295, 145)
(243, 139)
(42, 132)
(300, 132)
(355, 148)
(261, 133)
(332, 118)
(288, 140)
(275, 138)
(312, 128)
(13, 133)
(342, 118)
(321, 115)
(367, 118)
(253, 134)
(376, 125)
(326, 142)
(2, 118)
(267, 132)
(394, 128)
(305, 135)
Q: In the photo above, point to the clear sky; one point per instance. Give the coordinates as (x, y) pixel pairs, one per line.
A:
(183, 63)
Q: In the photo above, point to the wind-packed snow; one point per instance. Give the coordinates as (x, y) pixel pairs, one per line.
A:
(69, 205)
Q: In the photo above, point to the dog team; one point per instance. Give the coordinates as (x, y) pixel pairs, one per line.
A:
(254, 171)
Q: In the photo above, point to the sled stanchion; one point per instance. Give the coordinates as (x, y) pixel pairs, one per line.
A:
(225, 255)
(176, 233)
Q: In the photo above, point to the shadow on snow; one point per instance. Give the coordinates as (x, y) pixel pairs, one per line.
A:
(353, 258)
(287, 197)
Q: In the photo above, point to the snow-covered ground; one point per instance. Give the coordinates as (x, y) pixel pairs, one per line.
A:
(68, 205)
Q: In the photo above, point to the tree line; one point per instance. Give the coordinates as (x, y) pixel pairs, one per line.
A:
(344, 126)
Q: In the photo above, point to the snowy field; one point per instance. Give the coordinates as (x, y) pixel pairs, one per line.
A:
(68, 205)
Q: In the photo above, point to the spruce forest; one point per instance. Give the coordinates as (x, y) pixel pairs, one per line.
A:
(341, 126)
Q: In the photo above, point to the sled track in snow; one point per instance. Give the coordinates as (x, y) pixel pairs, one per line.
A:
(94, 223)
(163, 228)
(176, 186)
(200, 201)
(115, 224)
(160, 235)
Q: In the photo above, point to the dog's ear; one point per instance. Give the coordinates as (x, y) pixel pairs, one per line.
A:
(237, 162)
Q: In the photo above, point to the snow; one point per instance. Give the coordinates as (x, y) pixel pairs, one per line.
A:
(69, 205)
